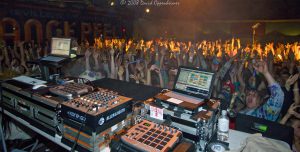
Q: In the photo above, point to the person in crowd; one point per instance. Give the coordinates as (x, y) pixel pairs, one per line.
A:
(154, 62)
(292, 118)
(257, 102)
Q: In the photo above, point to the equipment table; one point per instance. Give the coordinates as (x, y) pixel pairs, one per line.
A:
(138, 92)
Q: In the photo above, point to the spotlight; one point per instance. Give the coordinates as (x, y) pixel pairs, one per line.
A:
(112, 3)
(147, 10)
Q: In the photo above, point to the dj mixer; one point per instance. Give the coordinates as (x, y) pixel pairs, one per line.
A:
(71, 90)
(96, 109)
(149, 136)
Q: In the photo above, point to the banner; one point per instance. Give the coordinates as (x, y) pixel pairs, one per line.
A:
(41, 22)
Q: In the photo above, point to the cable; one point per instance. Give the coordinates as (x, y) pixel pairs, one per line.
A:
(2, 138)
(79, 130)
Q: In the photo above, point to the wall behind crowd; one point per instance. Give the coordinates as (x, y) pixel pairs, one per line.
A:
(276, 30)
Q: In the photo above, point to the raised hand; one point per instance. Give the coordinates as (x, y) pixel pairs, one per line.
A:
(139, 67)
(111, 51)
(292, 79)
(21, 44)
(134, 77)
(261, 66)
(95, 55)
(163, 51)
(1, 58)
(293, 110)
(155, 68)
(121, 71)
(87, 53)
(288, 46)
(126, 64)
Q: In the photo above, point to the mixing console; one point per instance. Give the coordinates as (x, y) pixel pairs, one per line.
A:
(71, 90)
(96, 108)
(97, 102)
(149, 136)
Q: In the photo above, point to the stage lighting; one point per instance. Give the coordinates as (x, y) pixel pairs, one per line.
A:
(147, 10)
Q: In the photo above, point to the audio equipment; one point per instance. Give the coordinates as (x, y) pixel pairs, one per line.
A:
(32, 106)
(198, 127)
(97, 108)
(100, 115)
(92, 141)
(71, 90)
(151, 137)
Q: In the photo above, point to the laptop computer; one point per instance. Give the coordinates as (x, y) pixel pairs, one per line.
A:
(190, 88)
(60, 50)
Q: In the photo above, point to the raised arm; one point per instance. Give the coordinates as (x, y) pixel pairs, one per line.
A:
(126, 71)
(270, 109)
(15, 51)
(6, 57)
(226, 66)
(291, 80)
(23, 61)
(120, 73)
(96, 58)
(262, 67)
(270, 56)
(201, 59)
(296, 93)
(112, 63)
(87, 59)
(291, 112)
(240, 77)
(1, 59)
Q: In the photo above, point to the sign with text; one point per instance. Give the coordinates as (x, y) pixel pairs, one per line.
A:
(156, 113)
(39, 23)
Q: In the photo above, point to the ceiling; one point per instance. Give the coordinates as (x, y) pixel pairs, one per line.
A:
(208, 10)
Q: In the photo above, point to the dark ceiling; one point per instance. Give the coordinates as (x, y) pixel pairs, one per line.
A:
(192, 9)
(230, 10)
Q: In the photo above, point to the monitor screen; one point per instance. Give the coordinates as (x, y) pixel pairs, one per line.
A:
(194, 81)
(61, 46)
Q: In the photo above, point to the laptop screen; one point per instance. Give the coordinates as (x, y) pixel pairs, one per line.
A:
(61, 46)
(194, 82)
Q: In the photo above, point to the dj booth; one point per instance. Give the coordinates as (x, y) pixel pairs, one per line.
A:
(123, 120)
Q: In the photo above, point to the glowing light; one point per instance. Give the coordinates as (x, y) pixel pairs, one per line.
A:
(112, 3)
(298, 56)
(280, 57)
(147, 10)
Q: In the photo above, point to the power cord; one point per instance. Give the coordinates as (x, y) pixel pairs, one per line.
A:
(79, 130)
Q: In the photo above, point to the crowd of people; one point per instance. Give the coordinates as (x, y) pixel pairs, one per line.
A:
(258, 80)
